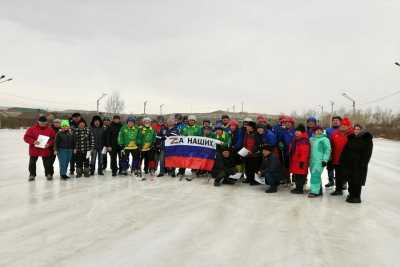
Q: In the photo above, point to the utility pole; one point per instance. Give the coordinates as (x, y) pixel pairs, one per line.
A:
(242, 106)
(233, 108)
(98, 101)
(144, 107)
(354, 103)
(161, 106)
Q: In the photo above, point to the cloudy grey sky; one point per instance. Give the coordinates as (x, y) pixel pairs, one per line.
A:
(275, 56)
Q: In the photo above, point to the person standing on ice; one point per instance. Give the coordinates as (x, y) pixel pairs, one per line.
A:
(84, 143)
(338, 142)
(73, 124)
(299, 152)
(112, 145)
(64, 148)
(191, 129)
(169, 130)
(55, 124)
(106, 126)
(35, 150)
(97, 130)
(130, 140)
(285, 138)
(252, 142)
(336, 122)
(148, 135)
(354, 161)
(237, 143)
(320, 155)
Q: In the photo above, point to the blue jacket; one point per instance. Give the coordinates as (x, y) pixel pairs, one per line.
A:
(237, 139)
(270, 138)
(180, 126)
(271, 169)
(330, 130)
(286, 137)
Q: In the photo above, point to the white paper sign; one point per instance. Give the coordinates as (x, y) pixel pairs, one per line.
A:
(244, 152)
(42, 139)
(259, 179)
(236, 176)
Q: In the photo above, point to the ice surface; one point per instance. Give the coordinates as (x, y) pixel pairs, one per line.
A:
(105, 221)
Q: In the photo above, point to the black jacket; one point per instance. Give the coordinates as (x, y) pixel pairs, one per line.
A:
(98, 135)
(356, 155)
(64, 140)
(112, 135)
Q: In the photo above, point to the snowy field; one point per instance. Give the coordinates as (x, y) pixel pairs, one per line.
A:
(105, 221)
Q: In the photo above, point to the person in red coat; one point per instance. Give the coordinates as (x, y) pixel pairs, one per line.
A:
(299, 152)
(35, 151)
(338, 142)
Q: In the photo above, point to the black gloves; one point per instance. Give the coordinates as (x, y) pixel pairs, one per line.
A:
(324, 164)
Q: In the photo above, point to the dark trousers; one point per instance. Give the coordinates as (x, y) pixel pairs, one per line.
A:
(300, 180)
(105, 160)
(53, 159)
(355, 184)
(115, 155)
(47, 164)
(331, 171)
(96, 154)
(149, 161)
(340, 177)
(135, 164)
(81, 161)
(72, 164)
(251, 165)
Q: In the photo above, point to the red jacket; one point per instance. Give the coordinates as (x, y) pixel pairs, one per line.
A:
(300, 155)
(338, 142)
(32, 135)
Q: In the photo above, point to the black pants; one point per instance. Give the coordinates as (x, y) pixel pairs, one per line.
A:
(72, 164)
(53, 159)
(105, 159)
(331, 171)
(149, 161)
(135, 163)
(355, 183)
(300, 180)
(81, 161)
(115, 155)
(340, 177)
(251, 165)
(47, 164)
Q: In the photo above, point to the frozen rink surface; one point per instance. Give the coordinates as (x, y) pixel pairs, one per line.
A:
(105, 221)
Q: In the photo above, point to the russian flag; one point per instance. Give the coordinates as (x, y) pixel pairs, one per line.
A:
(191, 152)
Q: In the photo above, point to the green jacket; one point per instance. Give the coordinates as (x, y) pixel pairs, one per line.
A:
(130, 138)
(194, 130)
(148, 138)
(320, 150)
(225, 138)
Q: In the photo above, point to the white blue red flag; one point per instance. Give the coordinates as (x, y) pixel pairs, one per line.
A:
(192, 152)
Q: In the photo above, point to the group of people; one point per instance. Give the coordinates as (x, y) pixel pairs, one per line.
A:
(283, 153)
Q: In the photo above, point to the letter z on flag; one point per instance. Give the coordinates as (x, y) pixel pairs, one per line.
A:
(192, 152)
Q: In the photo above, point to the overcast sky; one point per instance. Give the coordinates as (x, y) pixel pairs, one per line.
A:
(275, 56)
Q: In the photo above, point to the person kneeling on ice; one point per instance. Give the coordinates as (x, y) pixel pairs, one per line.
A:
(320, 154)
(224, 167)
(129, 138)
(64, 148)
(270, 169)
(148, 146)
(41, 130)
(84, 143)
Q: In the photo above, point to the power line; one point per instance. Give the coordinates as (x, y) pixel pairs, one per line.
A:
(381, 98)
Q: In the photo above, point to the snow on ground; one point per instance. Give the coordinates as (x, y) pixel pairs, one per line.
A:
(105, 221)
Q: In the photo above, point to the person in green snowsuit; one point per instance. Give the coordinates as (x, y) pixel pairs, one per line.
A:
(130, 140)
(320, 155)
(149, 137)
(191, 129)
(222, 136)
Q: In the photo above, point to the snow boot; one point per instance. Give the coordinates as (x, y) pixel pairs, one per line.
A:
(78, 173)
(49, 177)
(337, 193)
(271, 189)
(31, 178)
(86, 172)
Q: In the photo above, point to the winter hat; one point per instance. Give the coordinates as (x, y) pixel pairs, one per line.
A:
(76, 114)
(65, 124)
(282, 118)
(218, 126)
(318, 127)
(106, 118)
(42, 119)
(131, 118)
(56, 121)
(312, 119)
(116, 117)
(247, 119)
(289, 119)
(252, 124)
(192, 118)
(301, 128)
(234, 122)
(346, 122)
(146, 119)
